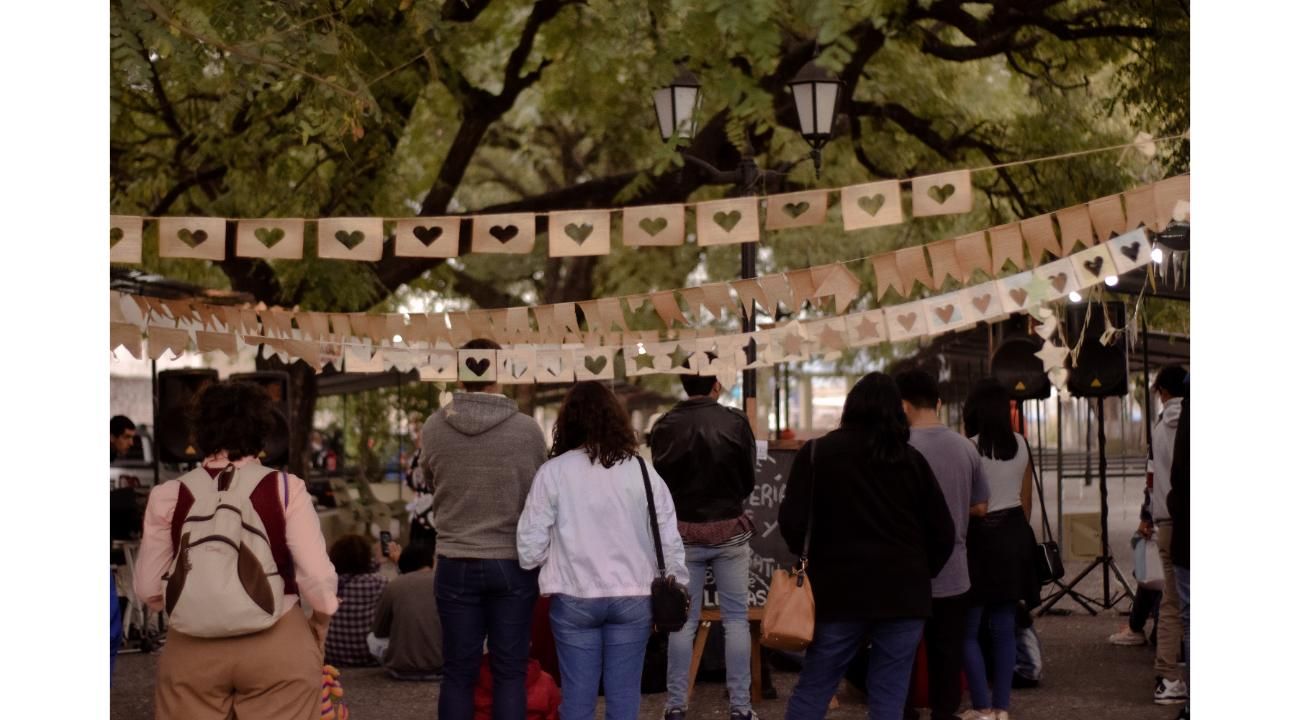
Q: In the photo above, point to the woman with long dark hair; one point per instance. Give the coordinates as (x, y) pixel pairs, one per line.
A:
(587, 524)
(880, 531)
(1000, 547)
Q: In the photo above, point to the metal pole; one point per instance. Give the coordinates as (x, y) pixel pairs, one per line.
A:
(1146, 378)
(1087, 439)
(776, 397)
(1060, 464)
(153, 373)
(1101, 474)
(748, 271)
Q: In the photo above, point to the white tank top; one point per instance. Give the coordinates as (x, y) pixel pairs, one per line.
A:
(1005, 476)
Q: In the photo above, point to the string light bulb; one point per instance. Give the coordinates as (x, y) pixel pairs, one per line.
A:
(1112, 280)
(1157, 255)
(397, 338)
(1075, 296)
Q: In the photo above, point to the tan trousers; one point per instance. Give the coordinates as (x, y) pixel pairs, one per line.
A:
(1169, 631)
(271, 675)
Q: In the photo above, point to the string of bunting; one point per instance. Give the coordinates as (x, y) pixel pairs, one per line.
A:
(570, 233)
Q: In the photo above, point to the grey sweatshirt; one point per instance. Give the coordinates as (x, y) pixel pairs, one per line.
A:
(479, 455)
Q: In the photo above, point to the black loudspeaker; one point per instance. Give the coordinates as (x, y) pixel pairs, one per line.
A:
(1100, 370)
(176, 391)
(1019, 371)
(276, 384)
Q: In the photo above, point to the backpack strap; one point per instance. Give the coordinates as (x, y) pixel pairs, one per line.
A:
(265, 500)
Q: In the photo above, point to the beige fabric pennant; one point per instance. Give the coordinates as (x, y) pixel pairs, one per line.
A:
(1040, 236)
(439, 331)
(947, 313)
(124, 335)
(973, 254)
(798, 209)
(906, 321)
(125, 239)
(1131, 250)
(517, 365)
(802, 288)
(480, 324)
(419, 329)
(866, 328)
(871, 205)
(441, 366)
(837, 282)
(594, 363)
(554, 364)
(1076, 228)
(593, 316)
(395, 327)
(581, 232)
(1093, 265)
(1169, 193)
(984, 301)
(943, 261)
(270, 238)
(611, 311)
(1059, 277)
(315, 325)
(942, 194)
(206, 342)
(350, 238)
(361, 360)
(1014, 291)
(115, 313)
(305, 350)
(459, 328)
(693, 298)
(717, 298)
(1140, 208)
(549, 331)
(726, 222)
(180, 310)
(912, 268)
(635, 302)
(519, 327)
(885, 267)
(777, 291)
(1107, 215)
(196, 238)
(341, 325)
(751, 293)
(566, 316)
(506, 234)
(669, 311)
(162, 339)
(654, 226)
(1008, 245)
(830, 336)
(251, 321)
(477, 366)
(277, 320)
(431, 237)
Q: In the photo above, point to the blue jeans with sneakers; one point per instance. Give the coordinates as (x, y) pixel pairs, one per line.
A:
(889, 662)
(731, 574)
(597, 637)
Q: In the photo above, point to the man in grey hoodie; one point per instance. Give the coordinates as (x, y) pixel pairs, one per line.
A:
(479, 456)
(1171, 386)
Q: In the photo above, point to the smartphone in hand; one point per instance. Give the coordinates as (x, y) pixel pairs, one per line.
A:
(385, 537)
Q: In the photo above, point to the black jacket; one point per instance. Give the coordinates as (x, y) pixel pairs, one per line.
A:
(880, 531)
(1180, 496)
(706, 455)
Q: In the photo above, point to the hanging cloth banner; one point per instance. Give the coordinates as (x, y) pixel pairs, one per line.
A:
(912, 268)
(1040, 236)
(972, 255)
(942, 194)
(943, 261)
(270, 239)
(886, 269)
(125, 239)
(358, 239)
(872, 205)
(793, 210)
(194, 238)
(1076, 228)
(1008, 246)
(726, 222)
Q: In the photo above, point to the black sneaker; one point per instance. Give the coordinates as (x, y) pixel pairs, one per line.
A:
(738, 715)
(674, 714)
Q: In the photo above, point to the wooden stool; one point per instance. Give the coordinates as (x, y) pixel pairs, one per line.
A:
(708, 616)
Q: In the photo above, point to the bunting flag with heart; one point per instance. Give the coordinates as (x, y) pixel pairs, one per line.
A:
(125, 239)
(866, 328)
(836, 282)
(517, 365)
(441, 366)
(798, 209)
(870, 205)
(1168, 194)
(427, 237)
(947, 313)
(972, 255)
(985, 302)
(350, 238)
(1014, 292)
(941, 194)
(195, 238)
(270, 239)
(751, 293)
(362, 360)
(1140, 208)
(554, 364)
(477, 366)
(162, 339)
(1076, 228)
(1008, 247)
(1060, 278)
(1040, 237)
(906, 321)
(584, 232)
(1107, 215)
(594, 363)
(943, 261)
(654, 225)
(727, 222)
(1093, 265)
(126, 336)
(1130, 250)
(205, 342)
(885, 268)
(912, 268)
(506, 234)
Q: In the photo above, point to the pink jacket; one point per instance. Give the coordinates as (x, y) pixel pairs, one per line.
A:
(317, 581)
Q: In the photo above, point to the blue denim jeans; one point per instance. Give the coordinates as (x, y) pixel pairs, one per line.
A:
(595, 637)
(893, 650)
(1184, 577)
(480, 599)
(1002, 659)
(731, 574)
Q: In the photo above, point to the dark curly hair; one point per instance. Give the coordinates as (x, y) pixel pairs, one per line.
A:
(351, 555)
(233, 416)
(593, 419)
(874, 405)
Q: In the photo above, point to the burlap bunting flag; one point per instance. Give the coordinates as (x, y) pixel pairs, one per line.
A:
(865, 328)
(943, 261)
(584, 232)
(1093, 265)
(506, 234)
(906, 321)
(1140, 208)
(802, 288)
(871, 205)
(1107, 215)
(596, 363)
(611, 311)
(1076, 228)
(216, 342)
(799, 209)
(1014, 291)
(350, 238)
(984, 301)
(777, 291)
(972, 255)
(592, 315)
(517, 365)
(125, 239)
(477, 366)
(1168, 194)
(1040, 237)
(750, 293)
(942, 194)
(270, 238)
(1059, 277)
(717, 298)
(162, 339)
(886, 270)
(837, 282)
(432, 237)
(196, 238)
(126, 336)
(554, 365)
(1008, 246)
(912, 269)
(726, 222)
(693, 298)
(654, 225)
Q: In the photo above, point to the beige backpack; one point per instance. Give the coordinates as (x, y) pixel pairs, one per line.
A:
(224, 580)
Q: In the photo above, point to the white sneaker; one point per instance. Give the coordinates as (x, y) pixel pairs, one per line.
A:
(1127, 637)
(974, 714)
(1170, 692)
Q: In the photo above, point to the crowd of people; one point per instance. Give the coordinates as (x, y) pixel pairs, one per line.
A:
(919, 536)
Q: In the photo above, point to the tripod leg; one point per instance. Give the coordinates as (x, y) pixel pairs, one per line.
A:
(1111, 566)
(1069, 590)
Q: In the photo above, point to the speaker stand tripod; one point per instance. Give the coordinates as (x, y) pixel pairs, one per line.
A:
(1105, 560)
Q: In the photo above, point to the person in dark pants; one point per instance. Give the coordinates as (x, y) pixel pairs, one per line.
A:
(957, 467)
(479, 455)
(1180, 546)
(880, 531)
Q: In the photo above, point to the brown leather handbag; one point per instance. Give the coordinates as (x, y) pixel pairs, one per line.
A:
(788, 617)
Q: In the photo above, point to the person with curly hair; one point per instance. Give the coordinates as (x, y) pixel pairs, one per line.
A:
(275, 672)
(586, 523)
(360, 587)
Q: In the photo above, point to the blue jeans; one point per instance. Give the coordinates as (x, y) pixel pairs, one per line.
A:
(1002, 626)
(595, 637)
(893, 649)
(1184, 577)
(479, 599)
(731, 574)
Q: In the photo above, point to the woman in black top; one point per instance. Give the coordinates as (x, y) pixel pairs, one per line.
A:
(880, 530)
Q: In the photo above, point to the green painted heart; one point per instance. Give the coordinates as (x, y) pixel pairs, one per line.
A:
(941, 193)
(653, 226)
(727, 220)
(115, 236)
(871, 203)
(503, 233)
(427, 235)
(579, 233)
(192, 238)
(269, 237)
(595, 364)
(478, 366)
(350, 240)
(794, 210)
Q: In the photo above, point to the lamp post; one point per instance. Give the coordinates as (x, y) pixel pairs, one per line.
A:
(816, 95)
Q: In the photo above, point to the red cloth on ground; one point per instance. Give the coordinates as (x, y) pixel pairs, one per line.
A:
(543, 693)
(543, 641)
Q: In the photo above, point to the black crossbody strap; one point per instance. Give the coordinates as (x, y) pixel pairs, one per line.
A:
(812, 499)
(654, 517)
(1042, 502)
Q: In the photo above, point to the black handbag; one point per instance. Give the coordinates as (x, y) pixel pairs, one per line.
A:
(1047, 559)
(669, 601)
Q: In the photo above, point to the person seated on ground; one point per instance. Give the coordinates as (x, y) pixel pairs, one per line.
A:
(360, 586)
(407, 635)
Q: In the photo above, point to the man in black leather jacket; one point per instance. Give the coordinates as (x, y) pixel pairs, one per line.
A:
(706, 455)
